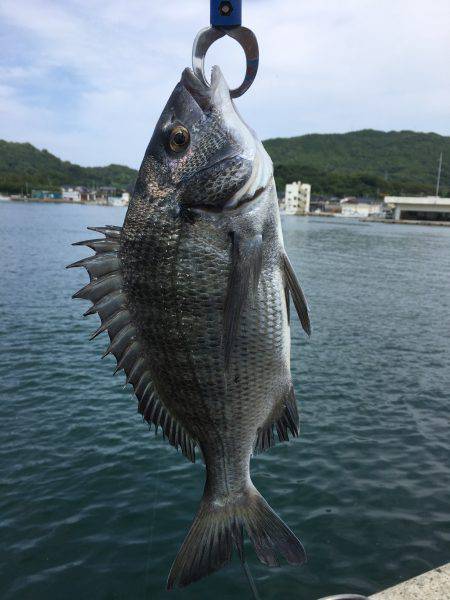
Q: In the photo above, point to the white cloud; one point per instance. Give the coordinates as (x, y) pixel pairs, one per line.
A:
(103, 70)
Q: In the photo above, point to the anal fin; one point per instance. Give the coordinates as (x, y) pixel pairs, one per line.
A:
(285, 422)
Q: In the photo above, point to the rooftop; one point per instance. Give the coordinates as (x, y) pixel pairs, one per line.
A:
(420, 200)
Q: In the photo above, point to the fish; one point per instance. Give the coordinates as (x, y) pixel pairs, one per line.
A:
(194, 292)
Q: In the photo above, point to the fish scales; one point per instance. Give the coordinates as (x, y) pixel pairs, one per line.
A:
(185, 277)
(196, 309)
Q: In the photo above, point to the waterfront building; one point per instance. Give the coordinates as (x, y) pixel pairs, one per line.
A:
(297, 198)
(360, 208)
(72, 194)
(419, 208)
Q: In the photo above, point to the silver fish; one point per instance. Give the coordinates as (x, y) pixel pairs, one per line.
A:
(194, 294)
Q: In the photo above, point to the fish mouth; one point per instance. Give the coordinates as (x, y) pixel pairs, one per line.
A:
(206, 95)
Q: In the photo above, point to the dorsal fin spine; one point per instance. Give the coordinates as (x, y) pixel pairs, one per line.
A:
(132, 347)
(135, 370)
(109, 301)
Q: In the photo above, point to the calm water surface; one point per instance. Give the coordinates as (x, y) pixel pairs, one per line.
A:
(93, 506)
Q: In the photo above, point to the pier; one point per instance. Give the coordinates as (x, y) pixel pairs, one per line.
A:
(418, 208)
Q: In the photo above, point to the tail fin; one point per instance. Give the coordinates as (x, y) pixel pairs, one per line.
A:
(216, 528)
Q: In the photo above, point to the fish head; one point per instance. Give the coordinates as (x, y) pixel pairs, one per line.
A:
(202, 153)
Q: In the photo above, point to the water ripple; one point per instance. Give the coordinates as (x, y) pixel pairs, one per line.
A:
(95, 506)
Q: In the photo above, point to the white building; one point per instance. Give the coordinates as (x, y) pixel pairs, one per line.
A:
(416, 208)
(71, 194)
(297, 198)
(352, 207)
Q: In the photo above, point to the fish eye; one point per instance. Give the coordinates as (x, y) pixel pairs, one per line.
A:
(179, 138)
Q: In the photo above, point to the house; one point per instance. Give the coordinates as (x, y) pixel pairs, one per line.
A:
(73, 194)
(44, 194)
(360, 207)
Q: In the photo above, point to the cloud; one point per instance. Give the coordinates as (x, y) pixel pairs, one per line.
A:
(88, 80)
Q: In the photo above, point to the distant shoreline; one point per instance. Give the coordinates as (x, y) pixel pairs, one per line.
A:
(60, 201)
(315, 215)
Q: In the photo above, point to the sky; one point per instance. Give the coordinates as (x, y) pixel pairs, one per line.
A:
(88, 79)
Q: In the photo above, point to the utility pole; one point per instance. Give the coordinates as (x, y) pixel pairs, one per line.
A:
(439, 175)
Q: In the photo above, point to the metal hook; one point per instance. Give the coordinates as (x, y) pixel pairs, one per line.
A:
(346, 597)
(244, 36)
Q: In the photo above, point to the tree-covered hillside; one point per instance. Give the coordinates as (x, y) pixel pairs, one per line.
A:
(364, 162)
(23, 165)
(361, 163)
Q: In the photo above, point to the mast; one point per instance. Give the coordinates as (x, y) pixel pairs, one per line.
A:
(439, 175)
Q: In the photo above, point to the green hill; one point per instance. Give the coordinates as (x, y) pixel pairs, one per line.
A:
(24, 165)
(359, 163)
(363, 162)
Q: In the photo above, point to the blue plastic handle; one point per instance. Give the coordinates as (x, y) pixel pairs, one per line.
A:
(226, 13)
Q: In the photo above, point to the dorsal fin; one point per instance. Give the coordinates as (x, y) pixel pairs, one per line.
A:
(246, 264)
(285, 421)
(105, 291)
(293, 285)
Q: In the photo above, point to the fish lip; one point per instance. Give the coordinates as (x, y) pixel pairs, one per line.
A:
(202, 94)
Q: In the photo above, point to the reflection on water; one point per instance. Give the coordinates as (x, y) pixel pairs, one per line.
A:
(93, 506)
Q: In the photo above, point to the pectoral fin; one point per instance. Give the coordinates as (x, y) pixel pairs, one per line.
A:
(293, 285)
(246, 264)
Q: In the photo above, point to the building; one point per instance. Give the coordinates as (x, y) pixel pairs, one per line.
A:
(72, 194)
(44, 194)
(360, 208)
(297, 198)
(416, 208)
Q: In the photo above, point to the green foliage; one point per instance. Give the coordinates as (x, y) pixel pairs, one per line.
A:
(24, 165)
(363, 163)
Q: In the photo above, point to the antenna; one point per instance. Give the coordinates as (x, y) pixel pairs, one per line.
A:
(439, 175)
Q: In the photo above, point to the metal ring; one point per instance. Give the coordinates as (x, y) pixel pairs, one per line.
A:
(244, 36)
(346, 597)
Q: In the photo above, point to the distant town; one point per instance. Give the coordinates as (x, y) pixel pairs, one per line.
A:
(106, 196)
(296, 200)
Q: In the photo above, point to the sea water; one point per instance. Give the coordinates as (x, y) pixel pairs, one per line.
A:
(93, 505)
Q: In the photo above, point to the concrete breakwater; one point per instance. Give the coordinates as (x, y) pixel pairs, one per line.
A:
(432, 585)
